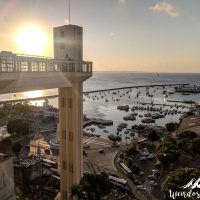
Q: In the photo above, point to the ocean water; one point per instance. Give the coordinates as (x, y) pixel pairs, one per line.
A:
(104, 105)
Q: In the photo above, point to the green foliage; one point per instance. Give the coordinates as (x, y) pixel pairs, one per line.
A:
(130, 150)
(16, 148)
(196, 145)
(92, 187)
(184, 140)
(2, 113)
(153, 136)
(22, 109)
(131, 164)
(171, 126)
(179, 178)
(18, 126)
(140, 127)
(189, 114)
(114, 138)
(167, 151)
(49, 119)
(189, 142)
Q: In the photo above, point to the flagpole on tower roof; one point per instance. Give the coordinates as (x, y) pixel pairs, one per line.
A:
(69, 11)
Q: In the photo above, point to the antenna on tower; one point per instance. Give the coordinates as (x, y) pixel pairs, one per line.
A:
(69, 12)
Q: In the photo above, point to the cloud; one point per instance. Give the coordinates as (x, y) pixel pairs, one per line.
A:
(166, 8)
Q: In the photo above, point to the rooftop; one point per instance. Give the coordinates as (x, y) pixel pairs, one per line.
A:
(29, 161)
(3, 157)
(191, 123)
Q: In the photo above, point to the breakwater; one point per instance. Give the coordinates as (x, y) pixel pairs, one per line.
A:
(89, 92)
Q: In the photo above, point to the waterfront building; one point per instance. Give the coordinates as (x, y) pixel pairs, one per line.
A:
(7, 191)
(30, 166)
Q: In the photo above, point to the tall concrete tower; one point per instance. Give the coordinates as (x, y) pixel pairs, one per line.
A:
(68, 42)
(68, 45)
(67, 72)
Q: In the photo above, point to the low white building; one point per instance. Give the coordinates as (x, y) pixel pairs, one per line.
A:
(7, 191)
(49, 112)
(3, 133)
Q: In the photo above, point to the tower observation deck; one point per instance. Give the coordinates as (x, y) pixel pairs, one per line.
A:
(66, 71)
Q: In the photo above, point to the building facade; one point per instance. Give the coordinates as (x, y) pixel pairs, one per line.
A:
(7, 191)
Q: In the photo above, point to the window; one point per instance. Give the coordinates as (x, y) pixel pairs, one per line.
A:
(62, 34)
(62, 46)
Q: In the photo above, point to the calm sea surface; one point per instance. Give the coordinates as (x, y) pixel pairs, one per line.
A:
(96, 105)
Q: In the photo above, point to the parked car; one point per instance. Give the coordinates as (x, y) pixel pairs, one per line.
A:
(119, 160)
(143, 158)
(152, 177)
(141, 173)
(141, 187)
(151, 156)
(153, 183)
(155, 170)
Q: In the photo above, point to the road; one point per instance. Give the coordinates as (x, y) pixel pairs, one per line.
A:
(134, 189)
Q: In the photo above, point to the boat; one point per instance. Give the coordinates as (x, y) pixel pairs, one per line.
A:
(54, 145)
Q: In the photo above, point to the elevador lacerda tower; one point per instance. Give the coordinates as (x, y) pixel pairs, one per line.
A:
(66, 71)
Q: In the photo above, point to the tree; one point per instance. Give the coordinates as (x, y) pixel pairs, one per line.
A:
(2, 113)
(16, 148)
(153, 136)
(179, 178)
(18, 126)
(167, 151)
(92, 187)
(130, 150)
(22, 109)
(114, 138)
(76, 191)
(185, 141)
(131, 164)
(140, 127)
(171, 126)
(196, 145)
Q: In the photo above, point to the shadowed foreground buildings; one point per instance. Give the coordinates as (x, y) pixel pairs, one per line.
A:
(66, 71)
(7, 191)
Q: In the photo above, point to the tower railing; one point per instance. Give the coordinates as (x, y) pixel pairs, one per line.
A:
(12, 63)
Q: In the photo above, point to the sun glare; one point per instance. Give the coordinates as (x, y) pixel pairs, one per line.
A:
(31, 40)
(33, 94)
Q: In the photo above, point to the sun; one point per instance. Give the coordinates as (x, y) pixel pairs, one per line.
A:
(31, 40)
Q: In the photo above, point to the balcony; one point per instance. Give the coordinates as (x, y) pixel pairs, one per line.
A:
(13, 63)
(20, 73)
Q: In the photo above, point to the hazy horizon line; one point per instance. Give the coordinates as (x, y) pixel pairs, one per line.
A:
(98, 71)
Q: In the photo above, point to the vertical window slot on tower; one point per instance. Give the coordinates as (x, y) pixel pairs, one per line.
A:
(64, 165)
(70, 103)
(64, 134)
(71, 136)
(63, 102)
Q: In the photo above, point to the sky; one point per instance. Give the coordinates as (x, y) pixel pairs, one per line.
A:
(119, 35)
